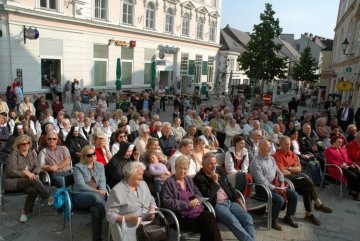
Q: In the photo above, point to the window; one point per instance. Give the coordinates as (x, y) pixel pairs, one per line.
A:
(150, 16)
(128, 11)
(212, 36)
(127, 56)
(169, 21)
(213, 3)
(185, 24)
(198, 65)
(184, 64)
(232, 64)
(148, 57)
(49, 4)
(210, 75)
(100, 9)
(246, 81)
(101, 53)
(200, 28)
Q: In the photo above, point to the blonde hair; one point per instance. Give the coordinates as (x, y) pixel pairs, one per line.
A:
(84, 152)
(20, 139)
(182, 160)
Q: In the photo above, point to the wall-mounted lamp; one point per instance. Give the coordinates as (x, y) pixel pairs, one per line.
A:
(345, 45)
(30, 33)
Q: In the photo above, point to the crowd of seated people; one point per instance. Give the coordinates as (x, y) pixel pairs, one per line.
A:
(139, 156)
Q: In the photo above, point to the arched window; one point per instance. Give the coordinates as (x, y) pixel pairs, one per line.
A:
(185, 24)
(200, 28)
(150, 16)
(169, 21)
(212, 36)
(128, 11)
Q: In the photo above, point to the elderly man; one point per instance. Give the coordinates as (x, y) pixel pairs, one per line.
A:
(290, 166)
(218, 125)
(55, 160)
(265, 171)
(345, 116)
(144, 104)
(186, 148)
(229, 208)
(308, 144)
(353, 149)
(167, 142)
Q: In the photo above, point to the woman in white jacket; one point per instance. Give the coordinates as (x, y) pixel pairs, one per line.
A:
(231, 129)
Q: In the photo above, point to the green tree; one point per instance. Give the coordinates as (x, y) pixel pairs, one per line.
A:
(260, 59)
(305, 69)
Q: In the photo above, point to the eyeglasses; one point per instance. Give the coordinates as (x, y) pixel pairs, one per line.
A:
(24, 144)
(90, 155)
(52, 139)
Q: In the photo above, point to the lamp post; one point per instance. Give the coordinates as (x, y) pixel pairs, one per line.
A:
(345, 45)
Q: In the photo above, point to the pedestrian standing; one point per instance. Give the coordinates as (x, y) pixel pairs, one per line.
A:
(67, 91)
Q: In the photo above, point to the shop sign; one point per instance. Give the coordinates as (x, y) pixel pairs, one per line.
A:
(118, 42)
(344, 86)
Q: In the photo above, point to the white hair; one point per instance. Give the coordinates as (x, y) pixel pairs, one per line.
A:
(131, 167)
(143, 128)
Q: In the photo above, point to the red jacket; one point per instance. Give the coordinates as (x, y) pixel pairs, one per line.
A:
(338, 158)
(353, 150)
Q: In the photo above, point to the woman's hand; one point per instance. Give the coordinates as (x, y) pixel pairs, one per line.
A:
(151, 213)
(194, 203)
(101, 192)
(136, 155)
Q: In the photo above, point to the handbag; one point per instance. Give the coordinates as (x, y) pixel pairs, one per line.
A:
(157, 230)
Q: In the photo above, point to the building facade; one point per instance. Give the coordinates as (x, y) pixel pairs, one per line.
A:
(83, 39)
(346, 63)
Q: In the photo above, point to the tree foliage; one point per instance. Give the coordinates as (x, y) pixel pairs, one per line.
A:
(260, 60)
(305, 69)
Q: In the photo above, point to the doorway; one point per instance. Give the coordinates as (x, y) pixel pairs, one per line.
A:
(50, 69)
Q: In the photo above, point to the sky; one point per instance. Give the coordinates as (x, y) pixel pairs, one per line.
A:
(296, 16)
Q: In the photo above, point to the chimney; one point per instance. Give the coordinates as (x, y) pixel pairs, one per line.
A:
(310, 35)
(306, 34)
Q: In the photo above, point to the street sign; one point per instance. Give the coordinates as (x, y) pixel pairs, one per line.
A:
(266, 98)
(348, 69)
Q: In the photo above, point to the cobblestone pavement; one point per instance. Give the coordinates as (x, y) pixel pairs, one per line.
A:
(342, 224)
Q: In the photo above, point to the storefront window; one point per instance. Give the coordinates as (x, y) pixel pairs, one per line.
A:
(50, 69)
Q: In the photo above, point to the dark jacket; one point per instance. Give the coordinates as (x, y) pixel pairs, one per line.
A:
(209, 188)
(140, 103)
(170, 195)
(168, 145)
(114, 169)
(75, 144)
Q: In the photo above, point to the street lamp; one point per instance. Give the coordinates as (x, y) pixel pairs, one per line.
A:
(345, 45)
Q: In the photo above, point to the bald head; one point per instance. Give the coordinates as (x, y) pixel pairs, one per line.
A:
(264, 148)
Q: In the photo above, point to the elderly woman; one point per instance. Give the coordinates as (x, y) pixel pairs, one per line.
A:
(117, 137)
(180, 194)
(177, 130)
(231, 129)
(21, 174)
(336, 154)
(199, 151)
(26, 105)
(89, 189)
(100, 141)
(75, 143)
(276, 135)
(141, 141)
(4, 132)
(46, 129)
(65, 131)
(107, 128)
(114, 169)
(237, 164)
(210, 139)
(130, 201)
(197, 121)
(157, 130)
(350, 132)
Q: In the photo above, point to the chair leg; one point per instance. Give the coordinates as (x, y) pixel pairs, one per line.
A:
(323, 176)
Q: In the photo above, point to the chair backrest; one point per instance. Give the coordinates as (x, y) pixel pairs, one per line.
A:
(69, 180)
(220, 158)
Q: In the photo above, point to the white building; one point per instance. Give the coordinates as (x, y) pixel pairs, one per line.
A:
(346, 64)
(84, 38)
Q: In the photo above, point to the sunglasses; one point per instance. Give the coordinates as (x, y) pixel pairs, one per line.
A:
(52, 139)
(90, 155)
(24, 144)
(122, 136)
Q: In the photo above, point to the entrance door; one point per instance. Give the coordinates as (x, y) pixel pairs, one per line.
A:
(50, 69)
